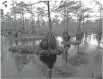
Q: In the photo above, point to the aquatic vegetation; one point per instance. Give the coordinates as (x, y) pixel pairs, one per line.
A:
(23, 49)
(33, 38)
(27, 49)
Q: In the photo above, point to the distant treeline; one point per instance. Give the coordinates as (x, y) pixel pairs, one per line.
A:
(43, 28)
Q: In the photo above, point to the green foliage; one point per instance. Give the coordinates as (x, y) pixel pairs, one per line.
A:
(2, 12)
(14, 9)
(57, 51)
(30, 8)
(49, 42)
(56, 20)
(80, 11)
(68, 4)
(27, 49)
(40, 15)
(40, 12)
(21, 7)
(18, 8)
(26, 38)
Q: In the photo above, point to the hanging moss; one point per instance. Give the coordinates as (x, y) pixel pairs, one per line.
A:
(49, 42)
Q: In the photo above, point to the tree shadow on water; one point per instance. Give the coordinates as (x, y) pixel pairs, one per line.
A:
(20, 60)
(78, 59)
(64, 72)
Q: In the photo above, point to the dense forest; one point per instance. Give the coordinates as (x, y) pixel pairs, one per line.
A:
(16, 19)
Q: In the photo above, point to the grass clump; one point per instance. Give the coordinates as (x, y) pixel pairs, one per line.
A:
(49, 42)
(29, 38)
(27, 49)
(23, 49)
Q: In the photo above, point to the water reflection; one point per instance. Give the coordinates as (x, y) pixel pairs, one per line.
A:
(93, 40)
(21, 60)
(59, 41)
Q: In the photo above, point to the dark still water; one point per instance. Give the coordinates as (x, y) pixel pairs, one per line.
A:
(14, 65)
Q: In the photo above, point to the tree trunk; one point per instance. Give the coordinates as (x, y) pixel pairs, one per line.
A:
(78, 50)
(83, 26)
(50, 73)
(67, 22)
(50, 26)
(79, 24)
(23, 24)
(66, 58)
(3, 22)
(15, 21)
(86, 34)
(33, 26)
